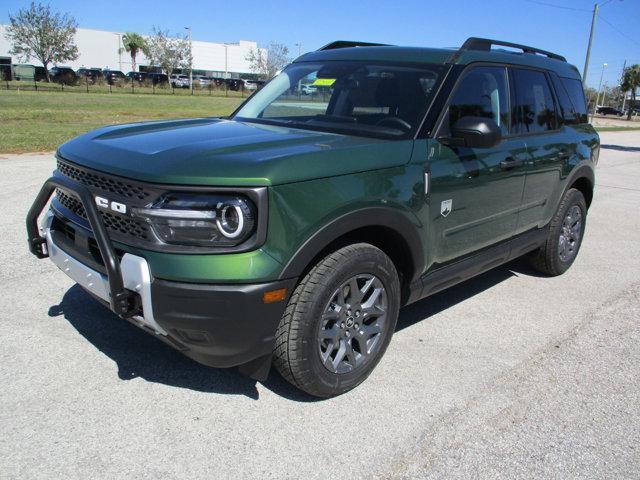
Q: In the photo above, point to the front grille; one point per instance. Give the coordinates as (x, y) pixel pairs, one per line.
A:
(118, 223)
(102, 182)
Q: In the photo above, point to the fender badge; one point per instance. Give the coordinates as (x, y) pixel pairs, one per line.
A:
(445, 207)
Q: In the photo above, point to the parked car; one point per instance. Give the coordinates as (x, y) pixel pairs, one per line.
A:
(23, 72)
(293, 232)
(137, 76)
(250, 85)
(179, 81)
(201, 81)
(217, 81)
(91, 75)
(158, 78)
(63, 75)
(308, 89)
(40, 74)
(234, 84)
(608, 111)
(113, 77)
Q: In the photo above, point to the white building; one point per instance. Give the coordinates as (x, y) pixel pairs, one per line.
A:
(102, 49)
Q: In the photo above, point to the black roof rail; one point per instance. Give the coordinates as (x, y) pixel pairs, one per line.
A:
(485, 44)
(348, 44)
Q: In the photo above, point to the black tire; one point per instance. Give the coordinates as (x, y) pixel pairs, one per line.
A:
(547, 258)
(297, 354)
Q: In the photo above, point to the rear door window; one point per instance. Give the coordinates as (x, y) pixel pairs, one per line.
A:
(534, 110)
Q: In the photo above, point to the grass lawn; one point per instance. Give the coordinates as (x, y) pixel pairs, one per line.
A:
(615, 128)
(39, 121)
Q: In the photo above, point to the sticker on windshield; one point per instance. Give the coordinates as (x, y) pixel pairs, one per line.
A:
(324, 82)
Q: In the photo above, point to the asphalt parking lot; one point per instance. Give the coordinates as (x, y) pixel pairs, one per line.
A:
(509, 375)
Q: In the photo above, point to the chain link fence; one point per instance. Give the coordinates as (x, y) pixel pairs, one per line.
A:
(130, 87)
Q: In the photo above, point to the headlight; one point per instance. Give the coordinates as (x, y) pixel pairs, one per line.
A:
(212, 220)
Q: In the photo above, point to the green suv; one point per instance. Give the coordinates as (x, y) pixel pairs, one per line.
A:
(292, 232)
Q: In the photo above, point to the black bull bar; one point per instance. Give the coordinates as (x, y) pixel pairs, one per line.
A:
(121, 300)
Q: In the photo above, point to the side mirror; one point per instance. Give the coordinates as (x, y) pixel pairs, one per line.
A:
(475, 132)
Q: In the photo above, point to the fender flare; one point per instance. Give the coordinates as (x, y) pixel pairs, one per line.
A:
(584, 171)
(366, 217)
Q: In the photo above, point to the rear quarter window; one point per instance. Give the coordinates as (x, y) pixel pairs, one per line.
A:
(576, 94)
(568, 113)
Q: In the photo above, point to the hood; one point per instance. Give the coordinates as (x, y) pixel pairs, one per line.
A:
(211, 151)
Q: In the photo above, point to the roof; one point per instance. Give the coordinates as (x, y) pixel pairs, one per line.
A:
(441, 56)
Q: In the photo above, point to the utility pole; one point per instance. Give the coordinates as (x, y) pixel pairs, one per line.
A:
(595, 107)
(226, 60)
(624, 94)
(593, 27)
(299, 45)
(190, 61)
(119, 35)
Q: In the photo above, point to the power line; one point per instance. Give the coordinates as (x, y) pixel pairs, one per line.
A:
(557, 6)
(618, 30)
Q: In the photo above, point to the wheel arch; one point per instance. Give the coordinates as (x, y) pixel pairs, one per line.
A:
(583, 180)
(385, 228)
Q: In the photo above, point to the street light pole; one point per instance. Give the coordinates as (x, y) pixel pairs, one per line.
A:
(593, 27)
(226, 67)
(119, 35)
(190, 61)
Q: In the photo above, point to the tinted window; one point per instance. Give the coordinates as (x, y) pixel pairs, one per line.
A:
(576, 94)
(481, 93)
(534, 110)
(567, 112)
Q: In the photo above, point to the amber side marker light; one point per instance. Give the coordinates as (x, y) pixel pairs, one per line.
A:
(274, 295)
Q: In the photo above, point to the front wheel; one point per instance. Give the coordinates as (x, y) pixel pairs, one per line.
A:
(565, 236)
(339, 321)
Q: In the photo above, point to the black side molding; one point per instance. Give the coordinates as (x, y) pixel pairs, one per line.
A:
(450, 275)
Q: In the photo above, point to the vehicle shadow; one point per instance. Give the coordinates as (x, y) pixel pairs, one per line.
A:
(445, 299)
(620, 148)
(138, 354)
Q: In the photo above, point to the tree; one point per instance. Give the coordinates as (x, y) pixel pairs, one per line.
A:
(38, 32)
(267, 65)
(167, 52)
(133, 43)
(631, 82)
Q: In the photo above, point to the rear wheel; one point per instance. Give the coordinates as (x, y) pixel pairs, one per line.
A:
(339, 321)
(565, 235)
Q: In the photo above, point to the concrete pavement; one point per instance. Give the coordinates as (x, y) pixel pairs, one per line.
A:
(509, 375)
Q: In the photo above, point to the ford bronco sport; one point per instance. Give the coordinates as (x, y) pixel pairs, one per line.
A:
(293, 231)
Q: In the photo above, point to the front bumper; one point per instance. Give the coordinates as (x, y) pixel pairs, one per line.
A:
(217, 325)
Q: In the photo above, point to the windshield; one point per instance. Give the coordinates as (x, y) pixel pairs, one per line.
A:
(353, 98)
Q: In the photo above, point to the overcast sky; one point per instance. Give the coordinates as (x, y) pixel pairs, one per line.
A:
(557, 25)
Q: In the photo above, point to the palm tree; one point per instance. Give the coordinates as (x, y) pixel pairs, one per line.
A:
(631, 81)
(133, 43)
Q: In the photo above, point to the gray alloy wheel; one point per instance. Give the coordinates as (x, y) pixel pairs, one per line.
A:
(339, 321)
(570, 234)
(352, 324)
(564, 237)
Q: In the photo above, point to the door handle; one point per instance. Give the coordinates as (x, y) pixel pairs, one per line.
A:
(510, 163)
(565, 154)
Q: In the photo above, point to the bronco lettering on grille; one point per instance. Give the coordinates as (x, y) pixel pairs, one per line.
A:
(115, 206)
